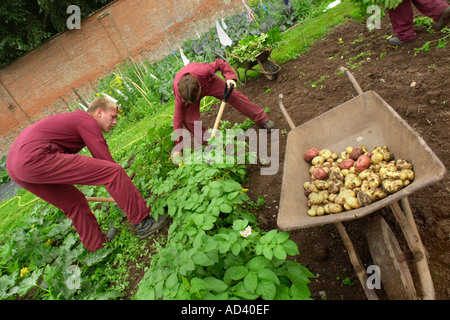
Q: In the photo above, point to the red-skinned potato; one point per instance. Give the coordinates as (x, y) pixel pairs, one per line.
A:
(362, 163)
(356, 153)
(346, 164)
(310, 154)
(320, 174)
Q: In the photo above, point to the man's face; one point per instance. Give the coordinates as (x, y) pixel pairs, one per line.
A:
(106, 119)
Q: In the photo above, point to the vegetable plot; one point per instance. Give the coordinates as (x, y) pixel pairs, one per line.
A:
(353, 179)
(214, 248)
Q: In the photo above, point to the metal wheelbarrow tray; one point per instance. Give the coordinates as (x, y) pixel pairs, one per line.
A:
(364, 120)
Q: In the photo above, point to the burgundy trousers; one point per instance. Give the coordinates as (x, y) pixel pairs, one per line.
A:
(237, 100)
(51, 175)
(402, 17)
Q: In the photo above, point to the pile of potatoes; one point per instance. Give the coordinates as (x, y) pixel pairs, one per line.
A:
(353, 179)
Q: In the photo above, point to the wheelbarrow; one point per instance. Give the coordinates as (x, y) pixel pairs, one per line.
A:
(268, 67)
(380, 125)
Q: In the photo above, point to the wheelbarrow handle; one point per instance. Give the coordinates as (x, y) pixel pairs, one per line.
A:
(352, 80)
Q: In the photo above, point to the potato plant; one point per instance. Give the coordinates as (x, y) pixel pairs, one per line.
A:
(353, 179)
(215, 249)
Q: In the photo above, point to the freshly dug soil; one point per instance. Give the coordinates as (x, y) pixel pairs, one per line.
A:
(416, 86)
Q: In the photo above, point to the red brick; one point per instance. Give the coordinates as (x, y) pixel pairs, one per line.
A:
(40, 82)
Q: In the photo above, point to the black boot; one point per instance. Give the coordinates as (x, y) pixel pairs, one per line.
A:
(149, 225)
(444, 20)
(111, 234)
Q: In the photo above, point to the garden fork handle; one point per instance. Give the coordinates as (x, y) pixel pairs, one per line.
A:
(226, 95)
(100, 199)
(285, 113)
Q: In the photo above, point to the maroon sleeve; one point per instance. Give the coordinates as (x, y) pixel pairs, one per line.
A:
(92, 136)
(226, 70)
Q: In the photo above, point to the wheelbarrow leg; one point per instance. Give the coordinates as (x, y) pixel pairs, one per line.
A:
(356, 261)
(406, 221)
(389, 258)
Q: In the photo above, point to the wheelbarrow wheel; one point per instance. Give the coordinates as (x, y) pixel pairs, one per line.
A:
(386, 253)
(271, 69)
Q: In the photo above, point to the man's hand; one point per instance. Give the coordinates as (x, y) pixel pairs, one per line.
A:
(231, 82)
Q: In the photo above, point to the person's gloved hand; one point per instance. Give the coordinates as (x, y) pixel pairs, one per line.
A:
(231, 82)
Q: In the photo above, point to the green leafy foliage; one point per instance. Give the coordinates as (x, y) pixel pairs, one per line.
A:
(214, 248)
(4, 176)
(211, 252)
(24, 25)
(387, 4)
(251, 45)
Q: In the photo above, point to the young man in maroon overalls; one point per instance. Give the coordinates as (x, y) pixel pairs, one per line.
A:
(197, 80)
(402, 18)
(44, 160)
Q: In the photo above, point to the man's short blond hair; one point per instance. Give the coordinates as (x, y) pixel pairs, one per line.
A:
(103, 103)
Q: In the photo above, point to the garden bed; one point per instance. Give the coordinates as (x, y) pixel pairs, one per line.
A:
(415, 86)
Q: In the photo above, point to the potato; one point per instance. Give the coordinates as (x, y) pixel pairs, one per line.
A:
(409, 174)
(334, 208)
(356, 178)
(392, 186)
(321, 184)
(315, 198)
(371, 195)
(331, 208)
(310, 154)
(374, 180)
(387, 156)
(346, 164)
(364, 198)
(339, 199)
(317, 160)
(356, 153)
(334, 186)
(403, 164)
(352, 202)
(326, 153)
(352, 181)
(335, 174)
(362, 163)
(378, 194)
(310, 187)
(320, 173)
(345, 192)
(365, 185)
(312, 211)
(377, 158)
(365, 174)
(332, 197)
(320, 211)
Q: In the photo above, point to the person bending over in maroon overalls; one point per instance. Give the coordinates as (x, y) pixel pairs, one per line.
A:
(402, 18)
(197, 80)
(44, 161)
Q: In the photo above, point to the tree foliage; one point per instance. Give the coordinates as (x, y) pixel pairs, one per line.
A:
(25, 24)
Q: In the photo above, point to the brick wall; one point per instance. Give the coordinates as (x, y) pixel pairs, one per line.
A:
(46, 80)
